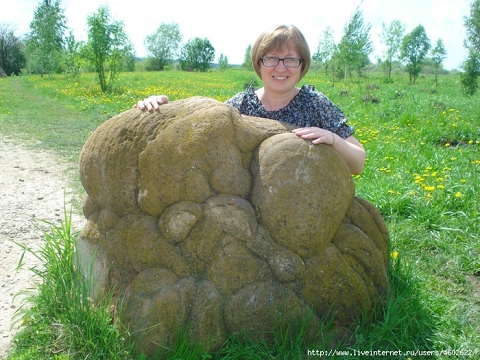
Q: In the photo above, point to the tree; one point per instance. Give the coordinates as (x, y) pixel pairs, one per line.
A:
(247, 59)
(355, 45)
(415, 47)
(164, 44)
(72, 57)
(12, 57)
(392, 39)
(129, 57)
(438, 55)
(472, 25)
(471, 66)
(108, 47)
(326, 49)
(197, 54)
(45, 40)
(222, 62)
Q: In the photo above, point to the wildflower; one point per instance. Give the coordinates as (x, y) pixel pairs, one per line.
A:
(458, 194)
(418, 179)
(395, 255)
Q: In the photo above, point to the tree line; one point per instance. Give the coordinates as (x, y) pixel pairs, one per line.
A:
(50, 47)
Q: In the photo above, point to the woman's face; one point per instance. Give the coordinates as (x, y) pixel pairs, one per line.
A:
(281, 79)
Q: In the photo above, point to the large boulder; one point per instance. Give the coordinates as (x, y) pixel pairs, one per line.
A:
(199, 216)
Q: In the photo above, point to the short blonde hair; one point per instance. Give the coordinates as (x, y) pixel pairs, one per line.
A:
(277, 38)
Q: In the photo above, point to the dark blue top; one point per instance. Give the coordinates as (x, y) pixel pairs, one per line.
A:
(308, 108)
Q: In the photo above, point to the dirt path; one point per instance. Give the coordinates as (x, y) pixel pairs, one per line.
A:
(34, 184)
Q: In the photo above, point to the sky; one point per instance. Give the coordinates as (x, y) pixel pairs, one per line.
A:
(232, 26)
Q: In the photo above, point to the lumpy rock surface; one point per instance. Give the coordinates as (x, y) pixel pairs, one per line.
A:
(201, 217)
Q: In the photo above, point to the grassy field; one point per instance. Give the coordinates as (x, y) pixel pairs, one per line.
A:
(423, 165)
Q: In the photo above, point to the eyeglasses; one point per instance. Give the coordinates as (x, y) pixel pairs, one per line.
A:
(271, 61)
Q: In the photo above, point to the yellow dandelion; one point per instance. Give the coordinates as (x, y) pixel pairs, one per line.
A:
(463, 181)
(441, 186)
(458, 194)
(391, 191)
(447, 145)
(395, 255)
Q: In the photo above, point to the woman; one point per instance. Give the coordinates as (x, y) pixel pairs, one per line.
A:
(281, 58)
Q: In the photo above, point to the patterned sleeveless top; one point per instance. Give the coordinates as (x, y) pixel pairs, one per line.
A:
(308, 108)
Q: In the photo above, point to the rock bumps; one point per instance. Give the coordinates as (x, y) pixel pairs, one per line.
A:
(200, 216)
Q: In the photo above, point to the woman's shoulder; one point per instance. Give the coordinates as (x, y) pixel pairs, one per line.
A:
(310, 94)
(310, 91)
(238, 98)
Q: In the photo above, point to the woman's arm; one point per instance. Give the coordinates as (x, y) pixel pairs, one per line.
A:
(350, 148)
(352, 151)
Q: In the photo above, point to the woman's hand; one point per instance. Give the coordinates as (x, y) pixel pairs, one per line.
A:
(317, 135)
(151, 103)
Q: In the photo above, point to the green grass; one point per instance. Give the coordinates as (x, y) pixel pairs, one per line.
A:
(422, 172)
(60, 320)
